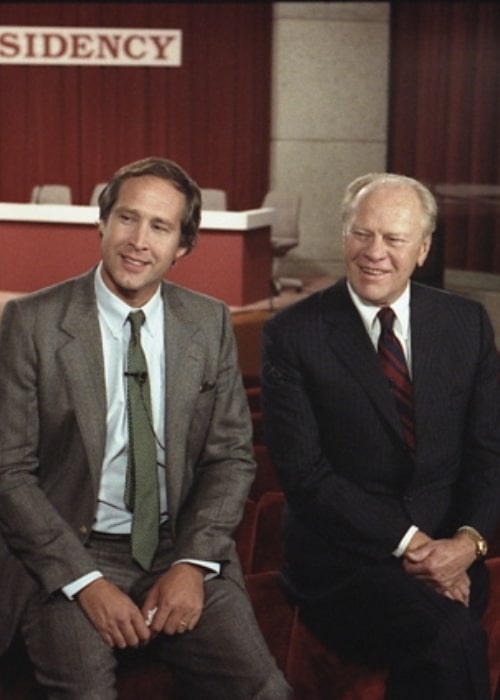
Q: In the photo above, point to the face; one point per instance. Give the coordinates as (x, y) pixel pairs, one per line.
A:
(384, 243)
(141, 237)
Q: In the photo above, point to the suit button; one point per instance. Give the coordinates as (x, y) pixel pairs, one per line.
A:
(407, 498)
(83, 529)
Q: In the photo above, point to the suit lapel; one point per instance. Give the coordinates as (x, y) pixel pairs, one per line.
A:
(81, 357)
(427, 339)
(184, 354)
(351, 344)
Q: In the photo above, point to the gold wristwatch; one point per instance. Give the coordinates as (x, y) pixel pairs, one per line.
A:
(480, 542)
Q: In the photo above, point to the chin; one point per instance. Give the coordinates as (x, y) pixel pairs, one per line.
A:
(372, 294)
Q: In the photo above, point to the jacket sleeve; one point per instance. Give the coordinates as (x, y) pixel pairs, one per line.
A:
(32, 527)
(216, 449)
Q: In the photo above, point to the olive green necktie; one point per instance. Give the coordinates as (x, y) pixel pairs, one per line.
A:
(141, 489)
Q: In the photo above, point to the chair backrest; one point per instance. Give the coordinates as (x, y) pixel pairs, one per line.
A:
(94, 196)
(285, 228)
(51, 194)
(213, 200)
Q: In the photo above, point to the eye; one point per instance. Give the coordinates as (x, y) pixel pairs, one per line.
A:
(125, 217)
(361, 235)
(160, 228)
(395, 240)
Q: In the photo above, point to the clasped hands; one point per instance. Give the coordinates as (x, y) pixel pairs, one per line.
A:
(176, 598)
(442, 564)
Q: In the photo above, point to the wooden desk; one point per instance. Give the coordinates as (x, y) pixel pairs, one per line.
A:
(42, 244)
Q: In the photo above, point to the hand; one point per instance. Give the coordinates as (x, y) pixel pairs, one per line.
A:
(114, 615)
(177, 598)
(441, 564)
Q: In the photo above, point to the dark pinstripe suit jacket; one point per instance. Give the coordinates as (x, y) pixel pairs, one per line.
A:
(335, 438)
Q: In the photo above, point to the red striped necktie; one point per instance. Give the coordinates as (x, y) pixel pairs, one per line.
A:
(393, 363)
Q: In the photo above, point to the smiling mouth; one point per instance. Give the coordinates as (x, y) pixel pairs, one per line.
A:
(133, 262)
(373, 272)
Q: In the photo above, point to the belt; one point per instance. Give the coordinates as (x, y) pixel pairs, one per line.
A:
(118, 537)
(113, 537)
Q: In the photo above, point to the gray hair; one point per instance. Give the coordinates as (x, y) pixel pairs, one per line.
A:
(364, 184)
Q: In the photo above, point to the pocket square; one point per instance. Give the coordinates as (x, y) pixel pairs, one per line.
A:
(206, 386)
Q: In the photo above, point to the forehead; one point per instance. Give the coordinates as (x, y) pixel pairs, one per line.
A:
(151, 192)
(388, 207)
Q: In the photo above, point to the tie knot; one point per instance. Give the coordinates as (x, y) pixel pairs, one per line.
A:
(386, 317)
(136, 319)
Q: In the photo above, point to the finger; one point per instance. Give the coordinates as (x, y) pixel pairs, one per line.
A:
(108, 639)
(118, 640)
(183, 627)
(128, 637)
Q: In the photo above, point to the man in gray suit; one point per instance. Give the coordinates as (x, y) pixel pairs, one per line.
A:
(70, 580)
(392, 481)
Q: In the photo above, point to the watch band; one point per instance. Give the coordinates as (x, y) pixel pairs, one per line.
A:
(479, 541)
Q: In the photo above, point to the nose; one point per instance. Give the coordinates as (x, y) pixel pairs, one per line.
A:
(139, 235)
(375, 248)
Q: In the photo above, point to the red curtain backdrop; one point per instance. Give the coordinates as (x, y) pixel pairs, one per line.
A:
(77, 125)
(444, 117)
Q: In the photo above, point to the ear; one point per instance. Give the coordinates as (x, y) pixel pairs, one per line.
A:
(424, 250)
(100, 228)
(181, 252)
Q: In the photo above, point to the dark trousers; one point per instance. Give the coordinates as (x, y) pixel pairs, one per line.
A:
(225, 656)
(434, 648)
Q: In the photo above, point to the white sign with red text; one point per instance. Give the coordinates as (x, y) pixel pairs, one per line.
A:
(87, 46)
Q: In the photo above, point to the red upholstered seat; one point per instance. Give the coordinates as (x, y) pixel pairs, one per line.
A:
(491, 621)
(315, 672)
(245, 536)
(266, 478)
(253, 396)
(267, 551)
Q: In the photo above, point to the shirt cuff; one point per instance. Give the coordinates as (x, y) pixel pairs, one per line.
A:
(213, 567)
(401, 548)
(71, 590)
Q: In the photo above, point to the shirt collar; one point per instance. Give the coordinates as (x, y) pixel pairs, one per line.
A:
(114, 311)
(368, 312)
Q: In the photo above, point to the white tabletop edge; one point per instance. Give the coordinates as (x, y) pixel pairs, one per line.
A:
(78, 214)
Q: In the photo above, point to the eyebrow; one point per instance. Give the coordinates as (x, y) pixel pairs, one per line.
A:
(129, 210)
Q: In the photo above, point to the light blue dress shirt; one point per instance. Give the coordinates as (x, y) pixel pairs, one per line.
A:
(112, 514)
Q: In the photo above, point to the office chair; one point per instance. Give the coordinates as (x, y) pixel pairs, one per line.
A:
(213, 200)
(51, 194)
(284, 232)
(94, 196)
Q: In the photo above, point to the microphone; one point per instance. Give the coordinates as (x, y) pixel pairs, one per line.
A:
(140, 376)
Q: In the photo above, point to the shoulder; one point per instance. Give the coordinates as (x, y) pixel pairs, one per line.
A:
(313, 308)
(193, 307)
(445, 304)
(451, 318)
(177, 294)
(57, 296)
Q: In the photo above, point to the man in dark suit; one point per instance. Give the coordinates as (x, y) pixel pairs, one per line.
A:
(388, 511)
(73, 580)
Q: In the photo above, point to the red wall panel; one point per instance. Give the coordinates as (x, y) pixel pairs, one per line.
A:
(76, 125)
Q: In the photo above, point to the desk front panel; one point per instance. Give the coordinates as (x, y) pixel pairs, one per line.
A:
(234, 266)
